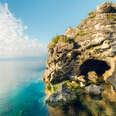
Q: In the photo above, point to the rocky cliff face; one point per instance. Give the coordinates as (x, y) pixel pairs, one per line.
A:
(80, 69)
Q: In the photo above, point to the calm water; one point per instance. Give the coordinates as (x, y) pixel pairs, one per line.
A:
(21, 89)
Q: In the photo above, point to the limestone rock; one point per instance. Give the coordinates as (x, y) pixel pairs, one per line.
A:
(82, 84)
(85, 56)
(62, 96)
(106, 7)
(80, 78)
(94, 38)
(112, 79)
(92, 76)
(71, 32)
(94, 89)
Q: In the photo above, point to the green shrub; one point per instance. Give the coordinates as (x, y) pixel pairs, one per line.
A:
(52, 87)
(109, 2)
(110, 16)
(51, 45)
(55, 40)
(79, 26)
(81, 33)
(72, 85)
(64, 39)
(49, 87)
(91, 14)
(55, 86)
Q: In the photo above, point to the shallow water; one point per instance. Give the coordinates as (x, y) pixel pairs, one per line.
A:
(21, 89)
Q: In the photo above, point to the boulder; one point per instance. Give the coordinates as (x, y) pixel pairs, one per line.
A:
(94, 89)
(61, 96)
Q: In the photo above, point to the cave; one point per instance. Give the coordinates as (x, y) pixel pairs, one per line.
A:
(99, 66)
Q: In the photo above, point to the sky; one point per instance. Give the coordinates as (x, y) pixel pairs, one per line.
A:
(13, 42)
(27, 26)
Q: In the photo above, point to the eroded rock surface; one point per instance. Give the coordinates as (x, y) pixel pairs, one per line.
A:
(61, 96)
(94, 89)
(82, 61)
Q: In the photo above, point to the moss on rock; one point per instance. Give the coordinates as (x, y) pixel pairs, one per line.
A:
(56, 39)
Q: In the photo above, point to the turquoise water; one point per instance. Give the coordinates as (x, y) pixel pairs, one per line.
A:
(21, 89)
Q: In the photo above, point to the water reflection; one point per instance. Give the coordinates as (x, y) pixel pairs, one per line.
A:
(89, 105)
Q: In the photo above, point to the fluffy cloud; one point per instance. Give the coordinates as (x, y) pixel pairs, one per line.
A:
(13, 42)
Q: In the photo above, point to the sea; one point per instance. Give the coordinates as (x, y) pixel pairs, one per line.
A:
(21, 88)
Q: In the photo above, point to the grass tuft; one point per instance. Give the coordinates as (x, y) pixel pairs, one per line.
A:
(91, 15)
(55, 40)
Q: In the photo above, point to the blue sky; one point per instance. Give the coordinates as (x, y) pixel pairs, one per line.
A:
(27, 26)
(47, 18)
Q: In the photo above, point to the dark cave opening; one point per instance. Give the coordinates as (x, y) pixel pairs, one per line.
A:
(99, 66)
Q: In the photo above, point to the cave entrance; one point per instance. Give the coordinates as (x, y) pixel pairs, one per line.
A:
(98, 66)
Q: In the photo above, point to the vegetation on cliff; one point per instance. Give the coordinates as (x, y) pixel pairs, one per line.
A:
(80, 70)
(55, 40)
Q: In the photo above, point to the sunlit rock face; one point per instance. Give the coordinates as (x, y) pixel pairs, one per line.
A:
(84, 59)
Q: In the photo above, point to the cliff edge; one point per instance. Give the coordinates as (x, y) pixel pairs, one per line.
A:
(81, 65)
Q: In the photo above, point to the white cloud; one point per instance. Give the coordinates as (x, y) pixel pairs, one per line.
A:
(13, 42)
(15, 75)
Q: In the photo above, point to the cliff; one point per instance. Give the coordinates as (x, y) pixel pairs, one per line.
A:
(80, 71)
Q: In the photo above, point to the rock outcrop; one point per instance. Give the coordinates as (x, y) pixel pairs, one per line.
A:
(82, 61)
(94, 89)
(61, 96)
